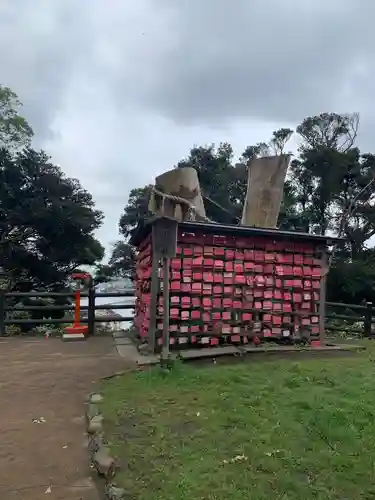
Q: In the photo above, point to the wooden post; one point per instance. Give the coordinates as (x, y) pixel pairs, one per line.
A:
(2, 312)
(165, 350)
(322, 298)
(77, 309)
(153, 303)
(368, 320)
(91, 308)
(164, 242)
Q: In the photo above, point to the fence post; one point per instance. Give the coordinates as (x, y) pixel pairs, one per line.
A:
(368, 320)
(2, 313)
(91, 308)
(323, 297)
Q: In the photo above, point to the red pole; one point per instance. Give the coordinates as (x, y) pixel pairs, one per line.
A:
(77, 311)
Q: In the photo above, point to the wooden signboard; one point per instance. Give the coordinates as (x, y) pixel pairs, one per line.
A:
(164, 238)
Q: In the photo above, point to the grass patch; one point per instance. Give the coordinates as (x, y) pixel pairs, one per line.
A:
(299, 430)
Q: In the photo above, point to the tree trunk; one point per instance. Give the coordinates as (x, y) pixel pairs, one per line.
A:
(177, 194)
(266, 177)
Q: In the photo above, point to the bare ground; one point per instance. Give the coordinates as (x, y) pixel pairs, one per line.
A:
(50, 379)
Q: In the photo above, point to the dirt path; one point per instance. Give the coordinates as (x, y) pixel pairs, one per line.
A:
(49, 379)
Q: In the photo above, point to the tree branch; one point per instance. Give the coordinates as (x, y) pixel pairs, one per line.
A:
(346, 215)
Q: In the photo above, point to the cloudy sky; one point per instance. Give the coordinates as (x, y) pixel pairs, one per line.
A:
(118, 91)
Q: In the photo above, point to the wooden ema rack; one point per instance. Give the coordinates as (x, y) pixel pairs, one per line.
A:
(230, 288)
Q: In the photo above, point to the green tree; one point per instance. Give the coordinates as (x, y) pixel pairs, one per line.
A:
(333, 192)
(214, 168)
(223, 184)
(103, 273)
(15, 132)
(47, 221)
(135, 209)
(330, 189)
(120, 264)
(122, 259)
(326, 155)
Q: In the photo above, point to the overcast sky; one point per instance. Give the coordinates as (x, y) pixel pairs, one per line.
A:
(118, 91)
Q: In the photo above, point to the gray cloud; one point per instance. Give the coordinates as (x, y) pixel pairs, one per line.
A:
(269, 59)
(41, 47)
(191, 61)
(117, 92)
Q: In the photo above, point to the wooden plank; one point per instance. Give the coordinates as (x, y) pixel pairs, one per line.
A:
(281, 349)
(153, 303)
(322, 297)
(209, 352)
(165, 348)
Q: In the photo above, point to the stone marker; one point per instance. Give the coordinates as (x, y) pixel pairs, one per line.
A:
(95, 424)
(104, 463)
(96, 398)
(114, 493)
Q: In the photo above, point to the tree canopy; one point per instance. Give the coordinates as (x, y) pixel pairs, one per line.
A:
(120, 264)
(330, 189)
(15, 132)
(47, 221)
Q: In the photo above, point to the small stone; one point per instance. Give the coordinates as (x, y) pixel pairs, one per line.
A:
(124, 341)
(95, 424)
(92, 411)
(118, 334)
(104, 463)
(143, 348)
(114, 493)
(40, 420)
(96, 398)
